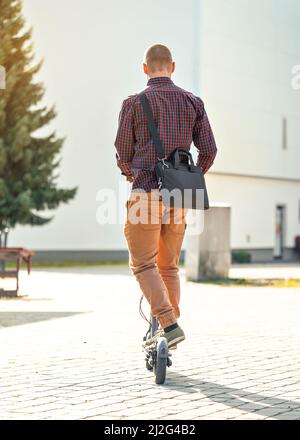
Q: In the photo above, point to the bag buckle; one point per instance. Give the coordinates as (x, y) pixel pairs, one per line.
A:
(163, 162)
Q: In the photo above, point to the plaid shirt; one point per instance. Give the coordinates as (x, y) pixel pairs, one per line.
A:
(180, 119)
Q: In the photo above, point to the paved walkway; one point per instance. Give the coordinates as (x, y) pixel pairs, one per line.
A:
(71, 350)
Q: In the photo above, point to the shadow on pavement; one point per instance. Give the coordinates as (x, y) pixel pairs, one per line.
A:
(245, 400)
(10, 319)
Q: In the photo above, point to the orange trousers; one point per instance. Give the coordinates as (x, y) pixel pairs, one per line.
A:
(154, 235)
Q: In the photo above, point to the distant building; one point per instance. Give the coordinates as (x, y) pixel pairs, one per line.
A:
(238, 60)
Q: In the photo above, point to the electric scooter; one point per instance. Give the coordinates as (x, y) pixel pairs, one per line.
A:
(158, 356)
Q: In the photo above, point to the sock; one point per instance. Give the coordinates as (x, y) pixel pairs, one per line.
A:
(171, 327)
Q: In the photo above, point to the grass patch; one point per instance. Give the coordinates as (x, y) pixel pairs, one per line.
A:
(287, 283)
(290, 282)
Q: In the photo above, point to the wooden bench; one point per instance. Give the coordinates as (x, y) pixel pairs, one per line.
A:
(18, 255)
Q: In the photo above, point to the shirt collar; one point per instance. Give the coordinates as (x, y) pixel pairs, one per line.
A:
(157, 80)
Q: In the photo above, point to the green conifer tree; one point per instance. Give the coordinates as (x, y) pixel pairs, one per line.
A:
(28, 162)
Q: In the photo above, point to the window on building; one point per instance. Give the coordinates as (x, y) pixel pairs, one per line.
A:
(284, 133)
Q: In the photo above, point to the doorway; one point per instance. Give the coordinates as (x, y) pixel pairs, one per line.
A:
(279, 232)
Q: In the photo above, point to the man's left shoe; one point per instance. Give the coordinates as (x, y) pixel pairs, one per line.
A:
(152, 341)
(173, 337)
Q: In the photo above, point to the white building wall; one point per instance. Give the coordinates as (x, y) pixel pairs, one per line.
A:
(236, 54)
(248, 50)
(253, 202)
(93, 55)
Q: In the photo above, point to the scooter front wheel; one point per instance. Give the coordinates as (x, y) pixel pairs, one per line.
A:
(149, 365)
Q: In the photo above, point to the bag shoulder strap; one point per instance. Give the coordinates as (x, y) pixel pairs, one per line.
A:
(151, 125)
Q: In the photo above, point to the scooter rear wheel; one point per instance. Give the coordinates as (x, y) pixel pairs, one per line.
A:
(160, 361)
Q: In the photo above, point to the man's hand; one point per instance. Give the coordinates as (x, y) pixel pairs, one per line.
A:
(130, 179)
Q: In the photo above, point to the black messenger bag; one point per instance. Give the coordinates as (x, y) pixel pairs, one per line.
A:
(181, 183)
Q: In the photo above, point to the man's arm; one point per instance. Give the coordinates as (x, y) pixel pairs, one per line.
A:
(125, 139)
(204, 139)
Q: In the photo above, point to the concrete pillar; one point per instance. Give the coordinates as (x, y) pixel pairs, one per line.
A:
(208, 255)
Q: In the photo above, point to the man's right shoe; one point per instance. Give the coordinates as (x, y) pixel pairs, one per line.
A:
(173, 337)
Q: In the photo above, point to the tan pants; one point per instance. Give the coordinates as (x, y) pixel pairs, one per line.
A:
(154, 235)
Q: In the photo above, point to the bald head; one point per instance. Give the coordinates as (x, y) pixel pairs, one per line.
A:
(158, 60)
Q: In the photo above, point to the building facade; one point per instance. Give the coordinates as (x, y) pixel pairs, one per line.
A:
(240, 62)
(246, 78)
